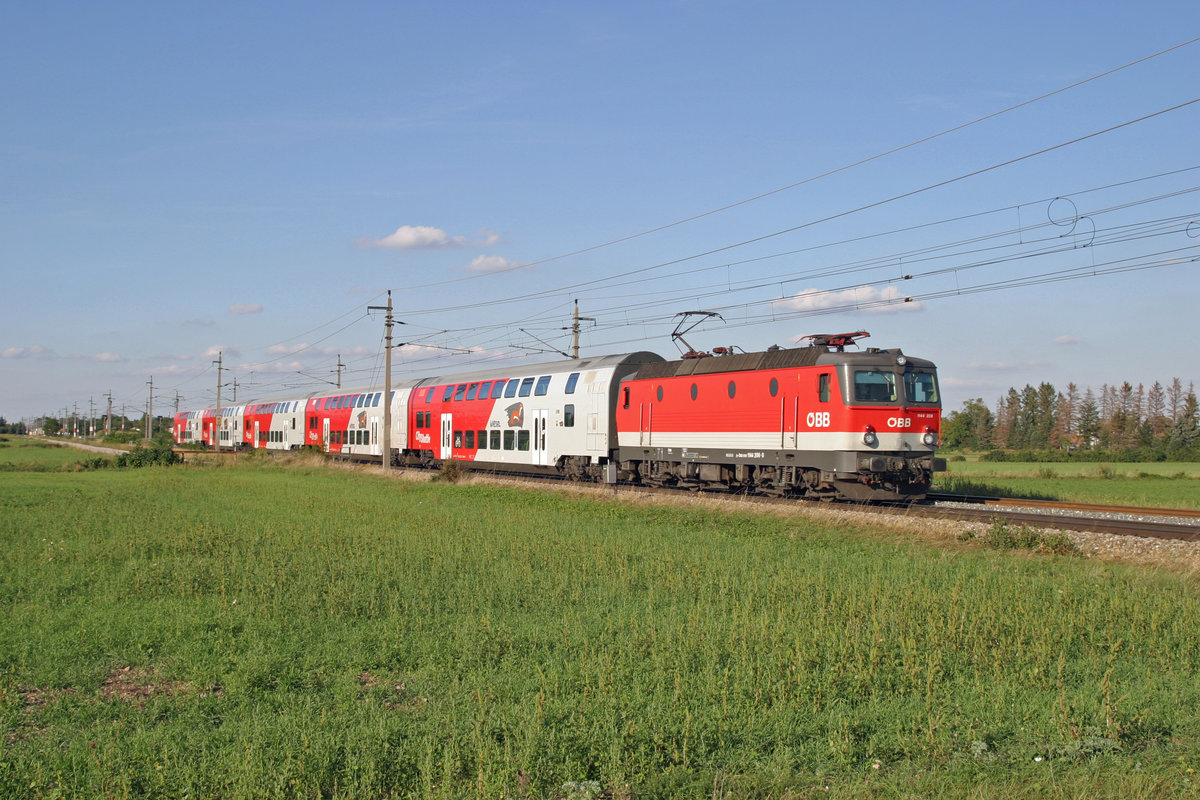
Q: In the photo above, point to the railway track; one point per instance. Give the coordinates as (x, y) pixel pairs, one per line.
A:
(1157, 523)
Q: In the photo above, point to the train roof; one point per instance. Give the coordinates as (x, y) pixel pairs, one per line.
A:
(773, 359)
(570, 365)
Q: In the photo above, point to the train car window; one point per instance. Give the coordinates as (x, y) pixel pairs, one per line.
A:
(695, 391)
(823, 387)
(732, 389)
(446, 395)
(626, 402)
(522, 440)
(658, 394)
(498, 389)
(774, 387)
(510, 438)
(470, 439)
(458, 438)
(429, 395)
(472, 390)
(511, 389)
(569, 415)
(460, 391)
(495, 437)
(526, 387)
(572, 379)
(359, 402)
(921, 387)
(874, 386)
(482, 439)
(543, 386)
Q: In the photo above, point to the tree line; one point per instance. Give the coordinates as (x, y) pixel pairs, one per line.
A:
(1121, 420)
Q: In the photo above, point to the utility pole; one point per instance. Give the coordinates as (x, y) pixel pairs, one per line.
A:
(217, 415)
(339, 369)
(75, 422)
(108, 415)
(387, 381)
(235, 391)
(149, 431)
(575, 320)
(91, 416)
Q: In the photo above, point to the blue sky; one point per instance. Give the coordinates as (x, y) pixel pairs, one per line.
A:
(181, 179)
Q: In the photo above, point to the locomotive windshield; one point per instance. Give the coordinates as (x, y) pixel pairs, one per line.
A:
(921, 387)
(874, 386)
(879, 385)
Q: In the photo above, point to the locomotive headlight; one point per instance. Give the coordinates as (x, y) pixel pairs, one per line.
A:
(901, 360)
(869, 437)
(930, 438)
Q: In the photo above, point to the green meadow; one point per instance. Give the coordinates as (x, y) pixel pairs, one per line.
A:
(1158, 484)
(263, 630)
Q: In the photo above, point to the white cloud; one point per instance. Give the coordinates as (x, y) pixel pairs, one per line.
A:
(107, 357)
(426, 237)
(863, 298)
(490, 264)
(33, 351)
(245, 308)
(221, 350)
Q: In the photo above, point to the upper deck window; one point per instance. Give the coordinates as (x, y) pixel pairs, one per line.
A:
(874, 386)
(572, 379)
(511, 391)
(474, 387)
(543, 386)
(526, 387)
(921, 387)
(460, 391)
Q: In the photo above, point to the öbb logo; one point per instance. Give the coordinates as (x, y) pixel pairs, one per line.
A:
(899, 422)
(817, 419)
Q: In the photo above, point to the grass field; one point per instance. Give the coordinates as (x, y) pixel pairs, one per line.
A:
(1165, 485)
(305, 632)
(27, 453)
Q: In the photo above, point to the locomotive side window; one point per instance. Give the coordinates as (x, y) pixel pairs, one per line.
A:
(823, 388)
(874, 386)
(569, 415)
(659, 394)
(695, 391)
(774, 387)
(921, 387)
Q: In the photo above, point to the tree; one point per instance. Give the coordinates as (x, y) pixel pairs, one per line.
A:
(1088, 423)
(972, 427)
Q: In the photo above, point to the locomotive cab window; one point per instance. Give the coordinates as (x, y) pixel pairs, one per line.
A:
(823, 387)
(921, 387)
(874, 386)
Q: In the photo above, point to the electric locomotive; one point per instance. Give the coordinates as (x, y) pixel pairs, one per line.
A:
(815, 422)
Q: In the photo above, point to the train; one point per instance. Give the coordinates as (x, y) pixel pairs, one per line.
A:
(815, 422)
